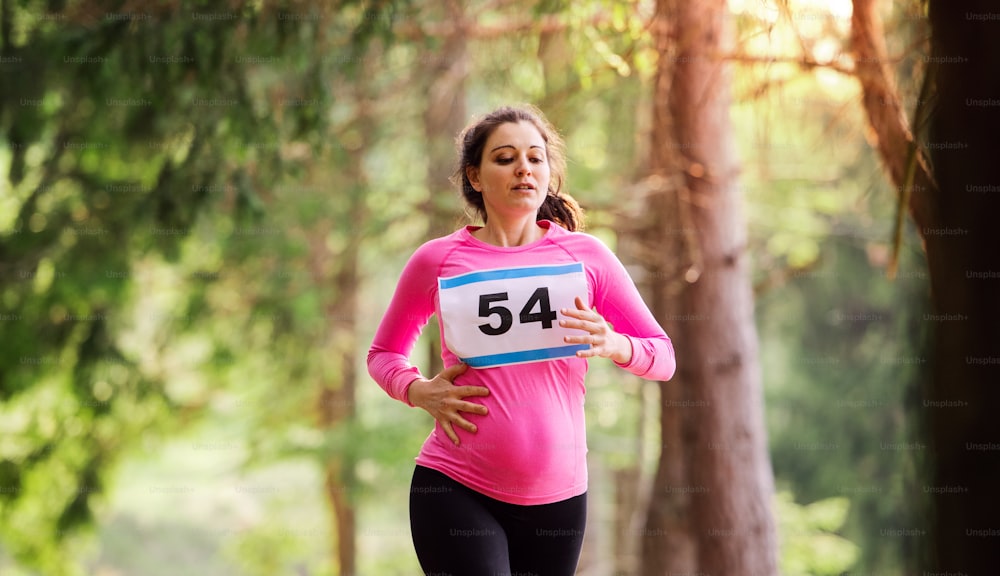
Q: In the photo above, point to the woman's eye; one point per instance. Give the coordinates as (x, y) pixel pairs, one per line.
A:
(504, 160)
(537, 160)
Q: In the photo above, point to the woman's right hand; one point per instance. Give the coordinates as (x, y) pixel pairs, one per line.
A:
(443, 400)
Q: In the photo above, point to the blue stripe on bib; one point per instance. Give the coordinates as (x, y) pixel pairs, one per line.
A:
(525, 356)
(508, 273)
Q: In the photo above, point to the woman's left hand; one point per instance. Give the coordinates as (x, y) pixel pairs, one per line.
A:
(603, 340)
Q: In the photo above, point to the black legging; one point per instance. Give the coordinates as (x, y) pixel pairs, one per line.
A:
(460, 532)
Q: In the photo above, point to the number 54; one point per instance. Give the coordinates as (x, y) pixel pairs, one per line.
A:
(539, 298)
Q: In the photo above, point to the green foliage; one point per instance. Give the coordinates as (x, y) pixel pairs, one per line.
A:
(118, 128)
(841, 354)
(267, 549)
(809, 540)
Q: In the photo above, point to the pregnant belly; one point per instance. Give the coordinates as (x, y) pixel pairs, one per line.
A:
(528, 450)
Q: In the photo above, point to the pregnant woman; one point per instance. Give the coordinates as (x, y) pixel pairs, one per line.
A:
(523, 301)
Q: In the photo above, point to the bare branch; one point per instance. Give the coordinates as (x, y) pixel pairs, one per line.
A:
(546, 24)
(885, 113)
(805, 62)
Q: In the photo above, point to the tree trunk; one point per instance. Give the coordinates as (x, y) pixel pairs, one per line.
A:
(561, 81)
(710, 509)
(955, 211)
(625, 504)
(337, 489)
(964, 265)
(336, 404)
(446, 69)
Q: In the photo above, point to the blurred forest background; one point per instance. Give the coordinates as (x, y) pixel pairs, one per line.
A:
(204, 207)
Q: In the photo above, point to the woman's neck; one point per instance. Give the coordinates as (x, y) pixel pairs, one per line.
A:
(507, 234)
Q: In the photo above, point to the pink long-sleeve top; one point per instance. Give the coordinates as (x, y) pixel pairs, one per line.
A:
(531, 447)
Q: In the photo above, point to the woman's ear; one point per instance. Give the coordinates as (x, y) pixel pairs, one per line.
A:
(472, 173)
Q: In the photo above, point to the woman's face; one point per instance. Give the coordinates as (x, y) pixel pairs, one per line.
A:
(513, 174)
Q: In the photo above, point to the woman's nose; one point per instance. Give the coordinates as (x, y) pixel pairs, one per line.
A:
(523, 168)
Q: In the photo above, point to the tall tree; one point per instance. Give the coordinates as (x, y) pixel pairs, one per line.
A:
(335, 402)
(711, 499)
(446, 70)
(954, 206)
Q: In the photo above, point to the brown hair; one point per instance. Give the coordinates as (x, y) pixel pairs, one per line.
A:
(559, 206)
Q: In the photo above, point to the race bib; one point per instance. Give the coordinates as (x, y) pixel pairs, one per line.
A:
(510, 315)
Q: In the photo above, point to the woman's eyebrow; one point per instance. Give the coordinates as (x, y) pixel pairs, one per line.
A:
(512, 146)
